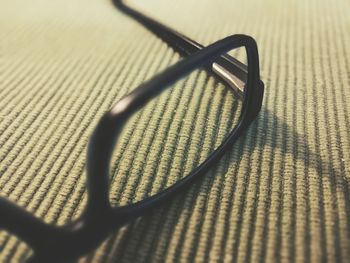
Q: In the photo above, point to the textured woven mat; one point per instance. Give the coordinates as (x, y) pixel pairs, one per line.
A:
(281, 194)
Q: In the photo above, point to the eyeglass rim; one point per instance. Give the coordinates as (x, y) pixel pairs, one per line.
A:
(251, 106)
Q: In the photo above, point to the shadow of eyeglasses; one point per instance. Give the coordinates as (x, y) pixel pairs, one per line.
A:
(133, 237)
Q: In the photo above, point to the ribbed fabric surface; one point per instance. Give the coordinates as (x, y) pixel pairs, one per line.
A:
(282, 194)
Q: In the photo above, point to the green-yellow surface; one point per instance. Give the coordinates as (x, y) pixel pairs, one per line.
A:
(281, 194)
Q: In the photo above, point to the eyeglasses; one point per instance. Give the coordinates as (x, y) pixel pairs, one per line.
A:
(50, 242)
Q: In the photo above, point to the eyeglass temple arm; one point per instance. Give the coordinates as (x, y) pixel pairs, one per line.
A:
(227, 68)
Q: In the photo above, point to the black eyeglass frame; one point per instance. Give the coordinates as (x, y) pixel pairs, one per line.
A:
(56, 243)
